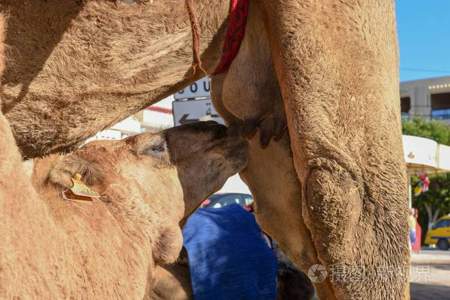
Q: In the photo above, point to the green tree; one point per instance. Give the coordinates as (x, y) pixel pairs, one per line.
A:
(436, 201)
(435, 130)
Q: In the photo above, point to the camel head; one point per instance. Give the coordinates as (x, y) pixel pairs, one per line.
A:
(161, 177)
(203, 155)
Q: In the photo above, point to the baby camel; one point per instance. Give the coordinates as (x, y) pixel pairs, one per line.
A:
(108, 248)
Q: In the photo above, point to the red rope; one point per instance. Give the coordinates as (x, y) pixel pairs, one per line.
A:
(237, 21)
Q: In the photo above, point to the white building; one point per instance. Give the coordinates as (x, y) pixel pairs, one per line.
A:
(426, 98)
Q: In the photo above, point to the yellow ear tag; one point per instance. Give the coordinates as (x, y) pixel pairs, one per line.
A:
(79, 191)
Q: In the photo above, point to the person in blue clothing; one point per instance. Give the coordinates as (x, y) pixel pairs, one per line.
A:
(228, 256)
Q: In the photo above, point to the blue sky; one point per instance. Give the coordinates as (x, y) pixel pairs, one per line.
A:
(424, 35)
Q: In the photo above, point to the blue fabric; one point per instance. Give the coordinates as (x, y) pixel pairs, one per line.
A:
(228, 257)
(412, 236)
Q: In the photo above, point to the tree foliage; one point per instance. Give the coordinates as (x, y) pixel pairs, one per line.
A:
(436, 201)
(435, 130)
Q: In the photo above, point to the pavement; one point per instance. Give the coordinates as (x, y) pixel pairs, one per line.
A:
(430, 275)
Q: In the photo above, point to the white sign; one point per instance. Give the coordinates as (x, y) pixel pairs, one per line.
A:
(198, 89)
(185, 112)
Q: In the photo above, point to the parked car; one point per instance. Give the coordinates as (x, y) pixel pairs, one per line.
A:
(439, 234)
(222, 200)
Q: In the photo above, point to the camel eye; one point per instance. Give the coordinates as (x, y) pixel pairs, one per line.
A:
(158, 148)
(151, 145)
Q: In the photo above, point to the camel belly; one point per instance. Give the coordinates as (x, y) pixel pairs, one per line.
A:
(68, 48)
(76, 67)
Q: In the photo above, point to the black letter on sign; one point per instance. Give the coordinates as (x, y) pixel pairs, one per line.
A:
(193, 87)
(206, 85)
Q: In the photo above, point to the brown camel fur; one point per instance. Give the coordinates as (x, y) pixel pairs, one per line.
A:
(96, 63)
(109, 248)
(173, 281)
(332, 193)
(349, 197)
(2, 47)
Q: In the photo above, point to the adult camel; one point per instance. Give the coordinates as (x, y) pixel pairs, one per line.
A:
(332, 192)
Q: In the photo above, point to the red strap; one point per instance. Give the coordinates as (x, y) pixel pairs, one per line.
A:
(237, 20)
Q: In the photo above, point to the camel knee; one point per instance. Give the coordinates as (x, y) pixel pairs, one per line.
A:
(332, 209)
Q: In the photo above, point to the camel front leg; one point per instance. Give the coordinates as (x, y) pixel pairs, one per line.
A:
(336, 62)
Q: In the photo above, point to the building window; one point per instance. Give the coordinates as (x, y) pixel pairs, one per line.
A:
(440, 106)
(405, 103)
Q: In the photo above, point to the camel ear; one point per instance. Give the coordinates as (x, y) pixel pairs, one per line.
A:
(63, 171)
(168, 244)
